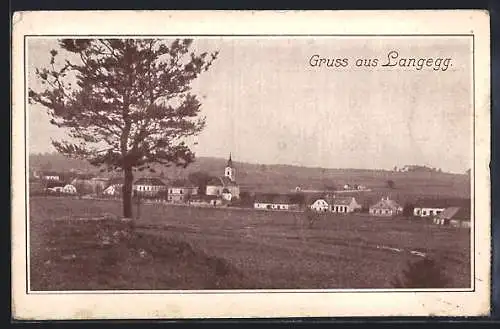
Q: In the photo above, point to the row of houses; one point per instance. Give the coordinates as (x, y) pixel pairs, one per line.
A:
(224, 190)
(455, 212)
(221, 189)
(330, 203)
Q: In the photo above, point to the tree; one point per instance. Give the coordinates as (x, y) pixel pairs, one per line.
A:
(311, 217)
(408, 210)
(200, 179)
(330, 187)
(128, 102)
(246, 199)
(391, 184)
(179, 182)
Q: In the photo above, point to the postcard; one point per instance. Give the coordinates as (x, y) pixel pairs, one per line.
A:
(243, 164)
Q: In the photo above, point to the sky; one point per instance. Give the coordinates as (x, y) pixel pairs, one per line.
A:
(265, 103)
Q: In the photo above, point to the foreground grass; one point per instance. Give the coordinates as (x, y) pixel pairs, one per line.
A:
(268, 250)
(109, 254)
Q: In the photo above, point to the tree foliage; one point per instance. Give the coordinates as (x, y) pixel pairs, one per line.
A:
(424, 273)
(200, 179)
(408, 210)
(126, 103)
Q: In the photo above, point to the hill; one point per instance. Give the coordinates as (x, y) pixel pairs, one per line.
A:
(284, 178)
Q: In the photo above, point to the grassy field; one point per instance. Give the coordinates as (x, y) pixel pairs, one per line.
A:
(173, 247)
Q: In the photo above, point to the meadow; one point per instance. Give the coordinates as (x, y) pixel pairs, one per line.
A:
(178, 247)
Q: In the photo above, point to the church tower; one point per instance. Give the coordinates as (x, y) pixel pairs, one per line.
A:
(229, 171)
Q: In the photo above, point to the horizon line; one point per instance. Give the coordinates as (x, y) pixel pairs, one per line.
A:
(284, 164)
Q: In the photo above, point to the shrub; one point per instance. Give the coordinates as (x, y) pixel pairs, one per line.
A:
(311, 217)
(424, 273)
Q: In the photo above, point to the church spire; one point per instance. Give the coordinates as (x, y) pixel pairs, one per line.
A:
(229, 171)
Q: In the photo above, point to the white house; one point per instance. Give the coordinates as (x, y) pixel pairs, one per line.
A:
(205, 200)
(341, 205)
(277, 202)
(434, 207)
(321, 205)
(57, 189)
(115, 187)
(181, 193)
(113, 190)
(147, 186)
(454, 216)
(386, 208)
(344, 205)
(224, 185)
(69, 189)
(54, 186)
(51, 176)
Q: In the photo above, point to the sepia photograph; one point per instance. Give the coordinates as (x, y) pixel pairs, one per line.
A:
(222, 163)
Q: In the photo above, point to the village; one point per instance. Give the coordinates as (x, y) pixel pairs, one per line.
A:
(224, 191)
(207, 166)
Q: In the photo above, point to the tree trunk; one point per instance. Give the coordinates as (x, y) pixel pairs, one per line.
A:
(127, 193)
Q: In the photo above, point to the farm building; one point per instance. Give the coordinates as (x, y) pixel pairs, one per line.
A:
(225, 184)
(99, 184)
(344, 204)
(148, 186)
(321, 205)
(454, 216)
(88, 184)
(115, 187)
(49, 175)
(335, 204)
(113, 190)
(56, 189)
(69, 189)
(181, 193)
(433, 207)
(386, 207)
(205, 200)
(277, 201)
(55, 186)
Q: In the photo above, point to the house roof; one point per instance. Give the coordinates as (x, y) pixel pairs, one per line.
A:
(221, 181)
(55, 184)
(341, 201)
(462, 213)
(50, 173)
(115, 181)
(442, 202)
(335, 200)
(202, 197)
(152, 181)
(278, 198)
(84, 176)
(386, 203)
(185, 187)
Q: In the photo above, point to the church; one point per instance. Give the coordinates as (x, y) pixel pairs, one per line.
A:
(225, 186)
